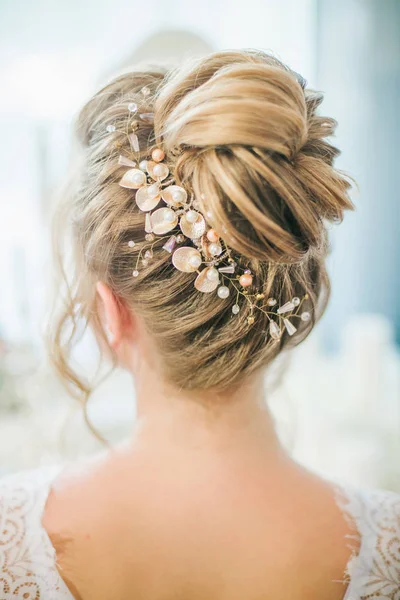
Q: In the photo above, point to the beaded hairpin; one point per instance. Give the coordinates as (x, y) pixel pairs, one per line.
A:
(180, 221)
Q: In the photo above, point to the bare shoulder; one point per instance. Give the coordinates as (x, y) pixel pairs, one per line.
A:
(123, 526)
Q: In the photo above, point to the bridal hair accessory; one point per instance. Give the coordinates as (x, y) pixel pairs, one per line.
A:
(194, 246)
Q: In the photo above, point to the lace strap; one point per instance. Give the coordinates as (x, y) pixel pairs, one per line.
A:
(373, 571)
(27, 557)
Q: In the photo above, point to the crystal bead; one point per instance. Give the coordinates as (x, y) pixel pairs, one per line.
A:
(147, 117)
(235, 309)
(148, 254)
(147, 224)
(223, 291)
(149, 237)
(170, 244)
(290, 328)
(305, 316)
(180, 238)
(271, 301)
(131, 244)
(110, 128)
(145, 262)
(228, 270)
(125, 161)
(145, 91)
(134, 142)
(285, 308)
(247, 271)
(274, 330)
(250, 320)
(135, 273)
(296, 301)
(132, 107)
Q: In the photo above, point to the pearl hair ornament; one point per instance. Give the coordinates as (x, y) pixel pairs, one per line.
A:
(195, 247)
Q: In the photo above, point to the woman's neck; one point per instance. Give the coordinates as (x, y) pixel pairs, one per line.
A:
(235, 418)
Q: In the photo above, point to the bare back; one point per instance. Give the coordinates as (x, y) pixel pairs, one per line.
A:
(198, 526)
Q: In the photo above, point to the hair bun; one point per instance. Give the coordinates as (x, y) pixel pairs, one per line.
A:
(248, 140)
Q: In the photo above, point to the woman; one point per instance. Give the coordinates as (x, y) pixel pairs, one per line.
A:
(199, 230)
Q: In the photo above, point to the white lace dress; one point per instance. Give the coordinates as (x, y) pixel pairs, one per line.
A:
(27, 559)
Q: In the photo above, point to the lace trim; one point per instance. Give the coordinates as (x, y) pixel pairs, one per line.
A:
(27, 557)
(373, 571)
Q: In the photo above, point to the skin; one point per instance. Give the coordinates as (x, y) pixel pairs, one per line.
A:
(202, 503)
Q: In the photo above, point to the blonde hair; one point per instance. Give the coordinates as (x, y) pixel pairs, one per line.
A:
(241, 131)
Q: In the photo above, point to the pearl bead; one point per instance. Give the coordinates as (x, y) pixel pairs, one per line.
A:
(178, 196)
(135, 273)
(305, 316)
(160, 170)
(235, 309)
(296, 301)
(195, 261)
(214, 249)
(143, 165)
(158, 155)
(132, 107)
(139, 179)
(169, 216)
(192, 216)
(212, 235)
(212, 274)
(180, 238)
(131, 243)
(223, 291)
(153, 190)
(250, 320)
(246, 280)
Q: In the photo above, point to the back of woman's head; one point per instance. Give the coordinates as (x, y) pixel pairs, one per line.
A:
(241, 135)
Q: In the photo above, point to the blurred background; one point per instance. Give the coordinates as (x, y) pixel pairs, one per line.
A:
(338, 408)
